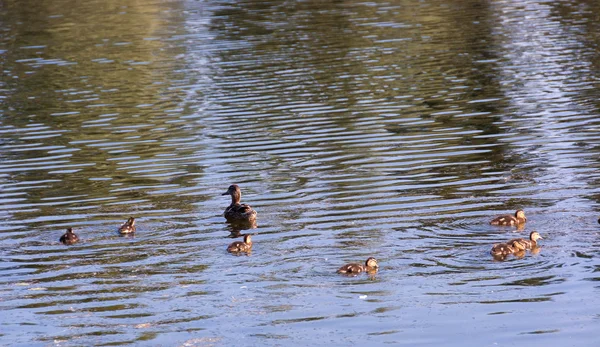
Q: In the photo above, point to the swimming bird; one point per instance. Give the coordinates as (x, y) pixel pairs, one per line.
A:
(528, 244)
(69, 238)
(504, 249)
(354, 268)
(128, 227)
(518, 219)
(237, 212)
(239, 246)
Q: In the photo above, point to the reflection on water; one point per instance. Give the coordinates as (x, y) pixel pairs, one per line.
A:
(355, 129)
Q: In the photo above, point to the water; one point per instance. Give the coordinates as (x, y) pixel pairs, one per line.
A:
(355, 129)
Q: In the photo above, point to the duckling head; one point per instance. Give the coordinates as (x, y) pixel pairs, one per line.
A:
(247, 239)
(372, 263)
(534, 236)
(520, 214)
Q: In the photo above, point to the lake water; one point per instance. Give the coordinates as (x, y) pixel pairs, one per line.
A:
(394, 129)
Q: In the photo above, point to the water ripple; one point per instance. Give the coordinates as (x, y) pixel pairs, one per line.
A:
(355, 129)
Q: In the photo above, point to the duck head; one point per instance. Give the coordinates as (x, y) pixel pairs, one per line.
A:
(235, 192)
(520, 214)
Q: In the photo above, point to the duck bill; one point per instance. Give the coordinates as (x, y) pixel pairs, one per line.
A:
(226, 193)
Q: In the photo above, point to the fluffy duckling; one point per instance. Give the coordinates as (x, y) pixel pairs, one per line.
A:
(504, 249)
(528, 244)
(128, 227)
(516, 220)
(239, 246)
(69, 238)
(353, 268)
(237, 212)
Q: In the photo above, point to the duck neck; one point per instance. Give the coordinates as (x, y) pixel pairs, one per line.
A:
(235, 198)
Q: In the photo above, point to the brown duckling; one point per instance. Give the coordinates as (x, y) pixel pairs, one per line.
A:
(504, 249)
(69, 238)
(516, 220)
(128, 227)
(353, 268)
(237, 212)
(528, 244)
(239, 246)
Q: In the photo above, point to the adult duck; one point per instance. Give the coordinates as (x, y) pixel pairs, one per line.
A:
(237, 212)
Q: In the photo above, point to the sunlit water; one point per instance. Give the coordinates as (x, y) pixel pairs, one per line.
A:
(355, 129)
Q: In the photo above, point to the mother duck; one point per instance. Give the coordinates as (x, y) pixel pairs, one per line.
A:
(237, 212)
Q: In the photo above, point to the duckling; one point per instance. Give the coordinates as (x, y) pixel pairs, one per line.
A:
(69, 238)
(501, 249)
(237, 212)
(518, 219)
(504, 249)
(353, 268)
(528, 244)
(128, 227)
(239, 246)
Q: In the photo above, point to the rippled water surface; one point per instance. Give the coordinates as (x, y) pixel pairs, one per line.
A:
(391, 129)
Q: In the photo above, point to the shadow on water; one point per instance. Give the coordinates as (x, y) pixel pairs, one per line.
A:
(355, 129)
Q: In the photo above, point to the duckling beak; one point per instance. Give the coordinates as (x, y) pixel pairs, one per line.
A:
(226, 193)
